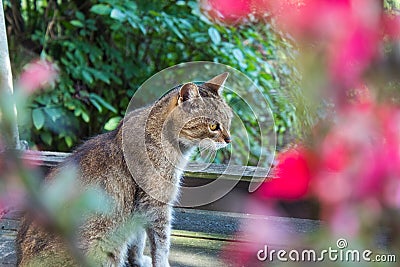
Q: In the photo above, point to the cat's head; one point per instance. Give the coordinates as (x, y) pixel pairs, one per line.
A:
(203, 115)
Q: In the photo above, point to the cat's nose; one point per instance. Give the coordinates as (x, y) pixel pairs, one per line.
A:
(227, 140)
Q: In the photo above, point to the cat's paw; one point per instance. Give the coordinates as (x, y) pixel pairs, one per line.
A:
(164, 263)
(144, 261)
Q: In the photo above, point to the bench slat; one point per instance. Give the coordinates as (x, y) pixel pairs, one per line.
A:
(194, 170)
(196, 233)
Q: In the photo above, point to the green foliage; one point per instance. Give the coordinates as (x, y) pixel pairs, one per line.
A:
(107, 48)
(392, 5)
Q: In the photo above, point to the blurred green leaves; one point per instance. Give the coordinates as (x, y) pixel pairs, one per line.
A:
(68, 203)
(106, 49)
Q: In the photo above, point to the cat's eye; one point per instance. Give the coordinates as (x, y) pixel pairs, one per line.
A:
(213, 126)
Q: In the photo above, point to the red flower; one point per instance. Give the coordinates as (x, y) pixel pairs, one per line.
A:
(292, 176)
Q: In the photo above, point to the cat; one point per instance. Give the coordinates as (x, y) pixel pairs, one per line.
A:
(139, 165)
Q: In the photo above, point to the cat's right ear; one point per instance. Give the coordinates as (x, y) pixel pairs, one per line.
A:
(187, 92)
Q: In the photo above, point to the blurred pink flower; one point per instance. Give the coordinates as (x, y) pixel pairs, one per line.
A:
(233, 12)
(31, 159)
(229, 12)
(360, 98)
(391, 194)
(351, 55)
(344, 221)
(36, 75)
(391, 26)
(292, 176)
(348, 30)
(11, 199)
(359, 156)
(315, 19)
(256, 232)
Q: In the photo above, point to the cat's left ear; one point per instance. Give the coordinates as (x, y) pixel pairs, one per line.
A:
(188, 91)
(217, 82)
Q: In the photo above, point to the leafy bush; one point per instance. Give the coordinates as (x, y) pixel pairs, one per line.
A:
(106, 49)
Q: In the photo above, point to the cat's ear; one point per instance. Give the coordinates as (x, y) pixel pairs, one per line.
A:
(187, 92)
(217, 82)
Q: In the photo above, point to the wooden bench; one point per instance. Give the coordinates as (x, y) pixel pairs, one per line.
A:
(198, 236)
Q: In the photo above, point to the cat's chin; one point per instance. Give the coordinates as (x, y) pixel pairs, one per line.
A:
(207, 144)
(220, 145)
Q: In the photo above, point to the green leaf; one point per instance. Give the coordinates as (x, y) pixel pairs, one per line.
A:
(237, 53)
(38, 118)
(103, 102)
(171, 25)
(77, 23)
(101, 9)
(53, 113)
(85, 116)
(100, 75)
(87, 76)
(68, 141)
(214, 35)
(78, 111)
(117, 14)
(46, 137)
(96, 104)
(112, 123)
(143, 29)
(79, 15)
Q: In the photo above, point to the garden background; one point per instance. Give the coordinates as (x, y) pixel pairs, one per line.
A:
(329, 70)
(104, 50)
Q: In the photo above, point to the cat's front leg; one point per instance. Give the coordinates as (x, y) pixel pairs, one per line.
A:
(158, 233)
(135, 251)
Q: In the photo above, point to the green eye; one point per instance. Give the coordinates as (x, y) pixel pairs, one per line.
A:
(213, 126)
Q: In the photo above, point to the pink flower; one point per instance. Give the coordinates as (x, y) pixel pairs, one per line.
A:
(292, 176)
(229, 12)
(391, 26)
(314, 19)
(257, 232)
(233, 12)
(360, 98)
(349, 32)
(36, 75)
(11, 199)
(350, 55)
(344, 221)
(391, 194)
(359, 156)
(31, 159)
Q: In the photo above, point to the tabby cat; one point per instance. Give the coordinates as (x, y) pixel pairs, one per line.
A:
(139, 165)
